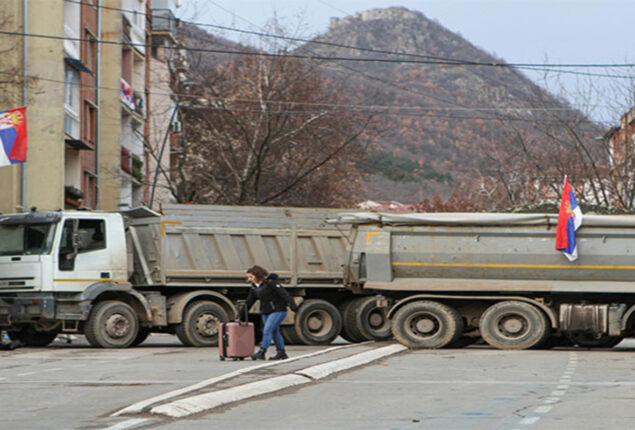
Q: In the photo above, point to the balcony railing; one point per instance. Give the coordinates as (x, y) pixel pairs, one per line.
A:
(164, 20)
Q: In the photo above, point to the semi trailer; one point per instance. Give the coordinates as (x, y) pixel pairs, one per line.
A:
(495, 276)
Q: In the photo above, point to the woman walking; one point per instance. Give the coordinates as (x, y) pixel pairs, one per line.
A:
(274, 300)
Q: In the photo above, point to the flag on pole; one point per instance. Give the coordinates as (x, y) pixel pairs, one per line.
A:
(13, 136)
(569, 219)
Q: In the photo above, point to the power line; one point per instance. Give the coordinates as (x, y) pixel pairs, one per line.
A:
(376, 110)
(434, 59)
(352, 107)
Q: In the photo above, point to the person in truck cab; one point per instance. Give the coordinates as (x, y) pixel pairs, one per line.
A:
(274, 300)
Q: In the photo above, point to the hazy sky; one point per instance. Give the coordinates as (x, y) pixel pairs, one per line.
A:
(519, 31)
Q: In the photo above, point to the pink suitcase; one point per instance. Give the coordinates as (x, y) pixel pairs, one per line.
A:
(236, 340)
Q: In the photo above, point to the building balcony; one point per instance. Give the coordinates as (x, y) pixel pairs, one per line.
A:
(164, 22)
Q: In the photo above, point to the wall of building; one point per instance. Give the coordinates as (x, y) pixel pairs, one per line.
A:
(11, 95)
(45, 118)
(110, 112)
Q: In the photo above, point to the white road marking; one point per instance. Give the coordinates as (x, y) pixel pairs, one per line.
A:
(562, 387)
(529, 421)
(25, 374)
(558, 392)
(127, 424)
(139, 406)
(55, 369)
(551, 400)
(543, 409)
(204, 402)
(323, 370)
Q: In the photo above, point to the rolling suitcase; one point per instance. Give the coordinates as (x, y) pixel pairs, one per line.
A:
(236, 340)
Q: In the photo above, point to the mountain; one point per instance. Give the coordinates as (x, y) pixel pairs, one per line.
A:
(443, 119)
(439, 106)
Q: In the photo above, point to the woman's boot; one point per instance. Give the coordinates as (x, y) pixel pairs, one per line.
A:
(280, 355)
(260, 355)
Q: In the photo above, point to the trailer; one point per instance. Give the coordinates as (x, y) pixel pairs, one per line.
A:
(116, 277)
(449, 277)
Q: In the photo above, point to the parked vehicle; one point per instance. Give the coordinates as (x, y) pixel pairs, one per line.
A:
(117, 277)
(495, 276)
(431, 280)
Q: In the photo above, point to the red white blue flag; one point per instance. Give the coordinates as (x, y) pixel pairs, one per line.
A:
(12, 136)
(569, 219)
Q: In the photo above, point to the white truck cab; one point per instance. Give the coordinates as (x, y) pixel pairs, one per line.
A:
(52, 266)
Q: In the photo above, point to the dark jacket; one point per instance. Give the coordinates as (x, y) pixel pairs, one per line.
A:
(273, 297)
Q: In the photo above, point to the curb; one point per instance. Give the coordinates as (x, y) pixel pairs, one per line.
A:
(140, 406)
(205, 402)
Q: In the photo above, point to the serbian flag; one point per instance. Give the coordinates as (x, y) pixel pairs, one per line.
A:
(12, 136)
(569, 219)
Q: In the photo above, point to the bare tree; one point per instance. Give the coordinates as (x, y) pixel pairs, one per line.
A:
(267, 131)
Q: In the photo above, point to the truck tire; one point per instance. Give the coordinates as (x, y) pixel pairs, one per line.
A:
(351, 330)
(373, 320)
(586, 340)
(318, 322)
(290, 335)
(514, 325)
(427, 324)
(30, 337)
(142, 335)
(200, 324)
(111, 324)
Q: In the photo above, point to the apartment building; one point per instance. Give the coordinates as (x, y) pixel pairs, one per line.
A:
(163, 122)
(87, 96)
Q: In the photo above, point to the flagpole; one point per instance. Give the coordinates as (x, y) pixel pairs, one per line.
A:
(25, 59)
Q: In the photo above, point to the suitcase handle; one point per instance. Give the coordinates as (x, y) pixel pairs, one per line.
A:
(244, 303)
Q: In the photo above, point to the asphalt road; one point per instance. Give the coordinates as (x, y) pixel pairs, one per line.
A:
(70, 386)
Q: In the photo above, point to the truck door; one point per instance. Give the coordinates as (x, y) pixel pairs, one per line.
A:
(82, 257)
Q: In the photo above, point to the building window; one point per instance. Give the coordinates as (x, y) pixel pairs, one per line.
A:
(90, 123)
(90, 183)
(90, 51)
(72, 29)
(71, 103)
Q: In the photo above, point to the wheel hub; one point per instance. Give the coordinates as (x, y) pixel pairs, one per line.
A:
(513, 325)
(207, 325)
(425, 325)
(117, 325)
(318, 323)
(314, 322)
(376, 319)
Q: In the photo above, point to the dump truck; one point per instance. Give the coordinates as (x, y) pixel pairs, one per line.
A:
(450, 276)
(429, 280)
(118, 276)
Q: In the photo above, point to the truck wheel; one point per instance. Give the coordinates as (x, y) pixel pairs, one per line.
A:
(200, 324)
(587, 340)
(290, 335)
(427, 324)
(142, 335)
(318, 322)
(351, 330)
(111, 324)
(373, 321)
(514, 325)
(29, 337)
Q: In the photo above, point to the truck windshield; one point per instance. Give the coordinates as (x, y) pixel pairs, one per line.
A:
(21, 239)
